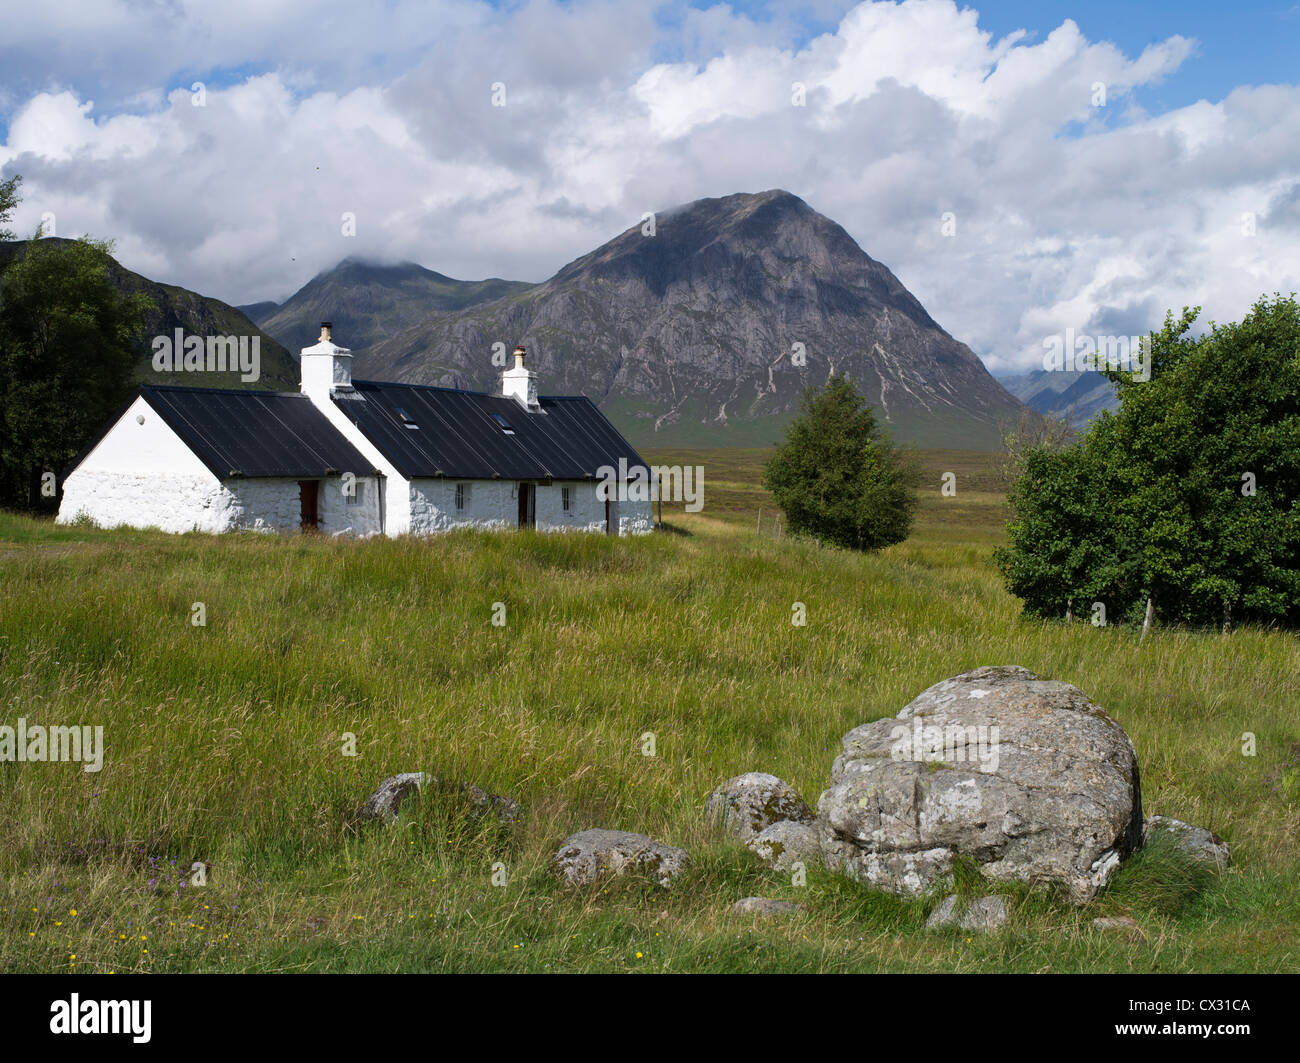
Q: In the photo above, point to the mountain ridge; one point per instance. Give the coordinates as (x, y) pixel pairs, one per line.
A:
(691, 335)
(368, 300)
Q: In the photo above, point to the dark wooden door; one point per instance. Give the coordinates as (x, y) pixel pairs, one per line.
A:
(527, 505)
(309, 503)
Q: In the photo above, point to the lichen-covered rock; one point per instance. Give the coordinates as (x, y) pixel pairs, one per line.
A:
(585, 856)
(387, 799)
(744, 805)
(765, 907)
(1197, 842)
(1025, 777)
(785, 843)
(389, 795)
(983, 914)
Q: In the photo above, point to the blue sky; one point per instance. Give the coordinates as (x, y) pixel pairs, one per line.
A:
(1240, 42)
(1069, 215)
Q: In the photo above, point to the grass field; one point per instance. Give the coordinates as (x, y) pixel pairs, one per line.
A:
(225, 744)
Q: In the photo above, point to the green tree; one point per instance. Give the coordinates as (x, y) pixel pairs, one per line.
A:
(1185, 501)
(67, 340)
(837, 477)
(8, 201)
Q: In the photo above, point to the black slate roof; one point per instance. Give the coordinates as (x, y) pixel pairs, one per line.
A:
(430, 431)
(255, 433)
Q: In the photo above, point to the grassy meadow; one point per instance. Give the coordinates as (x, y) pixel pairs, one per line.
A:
(225, 743)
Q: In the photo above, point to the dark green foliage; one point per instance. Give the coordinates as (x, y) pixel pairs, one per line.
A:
(837, 477)
(66, 357)
(8, 200)
(1189, 494)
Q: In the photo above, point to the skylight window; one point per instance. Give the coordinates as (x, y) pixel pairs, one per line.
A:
(505, 425)
(407, 419)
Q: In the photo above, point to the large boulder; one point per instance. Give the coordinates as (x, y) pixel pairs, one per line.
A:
(585, 856)
(747, 803)
(1023, 776)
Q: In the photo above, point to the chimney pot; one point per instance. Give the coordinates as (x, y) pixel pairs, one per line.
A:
(326, 332)
(519, 383)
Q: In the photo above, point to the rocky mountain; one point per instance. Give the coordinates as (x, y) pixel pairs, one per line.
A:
(1075, 398)
(705, 332)
(201, 315)
(369, 302)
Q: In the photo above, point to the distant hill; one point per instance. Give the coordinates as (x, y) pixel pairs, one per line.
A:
(687, 337)
(257, 312)
(198, 315)
(368, 302)
(1075, 398)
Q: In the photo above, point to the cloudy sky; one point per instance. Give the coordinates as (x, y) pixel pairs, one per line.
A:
(1095, 164)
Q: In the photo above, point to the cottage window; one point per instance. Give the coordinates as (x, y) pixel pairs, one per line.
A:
(566, 498)
(358, 493)
(462, 497)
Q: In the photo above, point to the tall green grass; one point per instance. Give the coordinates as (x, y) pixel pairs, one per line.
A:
(225, 744)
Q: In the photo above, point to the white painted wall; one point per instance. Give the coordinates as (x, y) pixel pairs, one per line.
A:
(142, 475)
(491, 504)
(495, 504)
(276, 505)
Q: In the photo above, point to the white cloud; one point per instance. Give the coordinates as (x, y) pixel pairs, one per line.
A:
(1068, 215)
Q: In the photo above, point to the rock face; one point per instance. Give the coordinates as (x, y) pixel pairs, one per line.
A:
(585, 856)
(744, 805)
(691, 329)
(1197, 842)
(983, 914)
(782, 844)
(1023, 776)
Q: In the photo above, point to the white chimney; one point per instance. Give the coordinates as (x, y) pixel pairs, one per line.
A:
(520, 384)
(325, 367)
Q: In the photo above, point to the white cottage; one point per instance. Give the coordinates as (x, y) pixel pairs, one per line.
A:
(358, 457)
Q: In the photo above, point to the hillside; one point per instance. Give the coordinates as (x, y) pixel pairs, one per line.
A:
(1075, 398)
(687, 337)
(370, 301)
(201, 315)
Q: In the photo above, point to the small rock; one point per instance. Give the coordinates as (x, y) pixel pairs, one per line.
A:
(585, 856)
(1122, 924)
(782, 844)
(389, 795)
(747, 803)
(983, 913)
(1196, 842)
(506, 808)
(765, 907)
